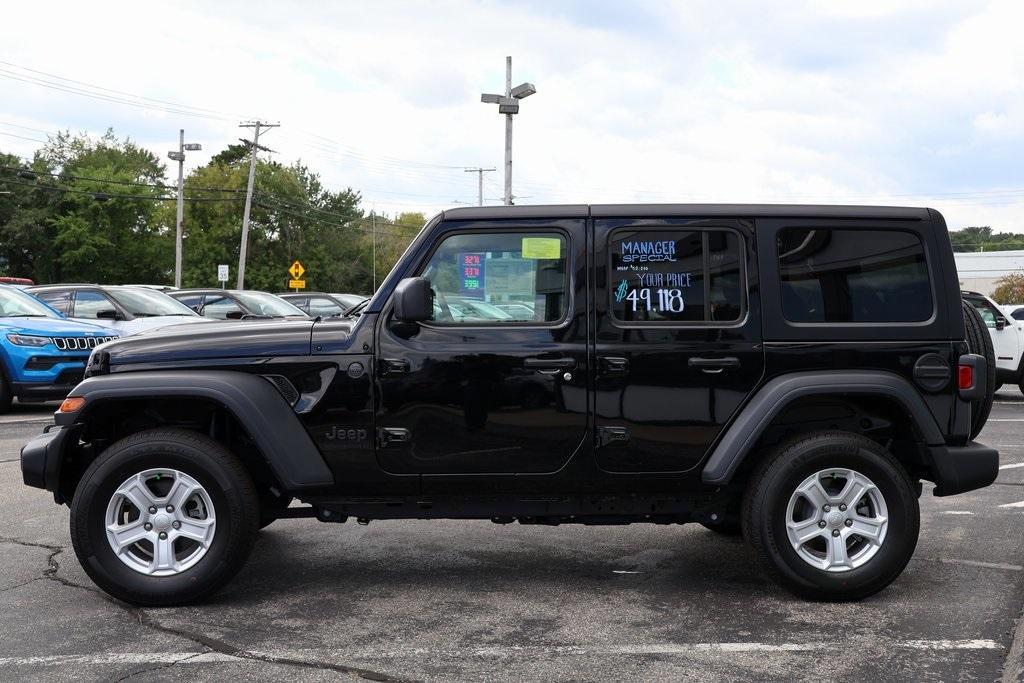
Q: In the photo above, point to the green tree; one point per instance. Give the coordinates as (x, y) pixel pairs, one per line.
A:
(1009, 289)
(293, 217)
(100, 217)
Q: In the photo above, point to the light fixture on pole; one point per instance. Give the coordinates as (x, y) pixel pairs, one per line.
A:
(508, 104)
(179, 156)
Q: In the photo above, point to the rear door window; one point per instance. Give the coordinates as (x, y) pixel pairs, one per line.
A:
(853, 276)
(676, 276)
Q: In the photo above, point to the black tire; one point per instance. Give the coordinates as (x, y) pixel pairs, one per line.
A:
(979, 342)
(767, 498)
(216, 468)
(728, 527)
(6, 397)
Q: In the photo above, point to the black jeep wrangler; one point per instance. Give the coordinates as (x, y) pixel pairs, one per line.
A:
(791, 373)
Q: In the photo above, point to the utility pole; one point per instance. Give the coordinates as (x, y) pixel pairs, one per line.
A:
(508, 104)
(373, 239)
(479, 182)
(179, 156)
(255, 125)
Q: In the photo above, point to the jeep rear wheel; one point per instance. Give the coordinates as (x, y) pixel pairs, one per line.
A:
(832, 516)
(164, 517)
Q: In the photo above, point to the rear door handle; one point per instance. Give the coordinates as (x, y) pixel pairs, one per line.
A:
(614, 365)
(549, 364)
(713, 366)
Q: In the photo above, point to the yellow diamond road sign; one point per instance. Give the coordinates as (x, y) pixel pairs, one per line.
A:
(296, 270)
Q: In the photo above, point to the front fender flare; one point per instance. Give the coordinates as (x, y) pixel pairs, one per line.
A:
(776, 394)
(255, 403)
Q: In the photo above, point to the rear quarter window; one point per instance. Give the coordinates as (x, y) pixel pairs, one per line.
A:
(831, 275)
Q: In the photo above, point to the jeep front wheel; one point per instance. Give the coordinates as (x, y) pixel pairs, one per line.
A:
(164, 517)
(832, 516)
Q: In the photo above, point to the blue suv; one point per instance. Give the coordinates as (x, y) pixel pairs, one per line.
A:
(42, 354)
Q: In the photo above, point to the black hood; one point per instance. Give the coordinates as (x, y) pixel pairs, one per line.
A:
(228, 339)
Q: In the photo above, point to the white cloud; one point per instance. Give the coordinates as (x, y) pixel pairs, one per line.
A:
(909, 103)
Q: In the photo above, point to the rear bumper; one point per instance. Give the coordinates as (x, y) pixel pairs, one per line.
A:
(958, 469)
(41, 458)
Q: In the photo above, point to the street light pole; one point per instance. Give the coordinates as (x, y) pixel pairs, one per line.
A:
(179, 156)
(508, 133)
(508, 104)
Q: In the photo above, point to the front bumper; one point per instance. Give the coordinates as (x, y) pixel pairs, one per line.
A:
(958, 469)
(43, 391)
(41, 458)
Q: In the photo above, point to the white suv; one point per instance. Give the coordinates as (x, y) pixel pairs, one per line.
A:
(1007, 338)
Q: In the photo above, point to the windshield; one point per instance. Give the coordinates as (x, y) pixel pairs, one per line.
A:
(144, 303)
(17, 304)
(261, 303)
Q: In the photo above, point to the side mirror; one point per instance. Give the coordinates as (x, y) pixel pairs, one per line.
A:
(1000, 322)
(235, 315)
(108, 314)
(414, 302)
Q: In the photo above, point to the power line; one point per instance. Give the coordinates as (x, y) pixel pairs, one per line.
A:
(76, 87)
(22, 137)
(64, 176)
(102, 196)
(117, 92)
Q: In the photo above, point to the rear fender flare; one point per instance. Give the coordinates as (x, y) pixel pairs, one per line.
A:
(751, 422)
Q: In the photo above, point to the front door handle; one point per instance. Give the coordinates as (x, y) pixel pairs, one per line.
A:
(713, 366)
(549, 364)
(394, 366)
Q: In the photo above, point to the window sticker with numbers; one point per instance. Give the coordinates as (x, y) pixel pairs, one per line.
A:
(675, 276)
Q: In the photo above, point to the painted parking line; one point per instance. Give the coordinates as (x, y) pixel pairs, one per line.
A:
(1012, 466)
(984, 565)
(319, 655)
(957, 512)
(1019, 504)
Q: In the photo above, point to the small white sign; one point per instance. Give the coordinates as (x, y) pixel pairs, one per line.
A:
(222, 273)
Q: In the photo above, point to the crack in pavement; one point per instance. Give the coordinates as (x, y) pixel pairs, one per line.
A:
(225, 648)
(208, 642)
(166, 665)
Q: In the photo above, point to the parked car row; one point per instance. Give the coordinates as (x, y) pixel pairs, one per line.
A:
(48, 331)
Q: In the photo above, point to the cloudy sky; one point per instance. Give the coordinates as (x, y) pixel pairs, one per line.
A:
(895, 102)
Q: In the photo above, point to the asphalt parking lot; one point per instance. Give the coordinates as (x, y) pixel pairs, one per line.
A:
(410, 600)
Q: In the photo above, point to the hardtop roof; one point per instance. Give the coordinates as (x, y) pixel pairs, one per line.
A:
(684, 210)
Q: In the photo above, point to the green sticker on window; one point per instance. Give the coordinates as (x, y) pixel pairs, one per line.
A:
(542, 247)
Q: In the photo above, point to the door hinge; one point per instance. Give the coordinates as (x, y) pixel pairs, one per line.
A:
(389, 435)
(607, 435)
